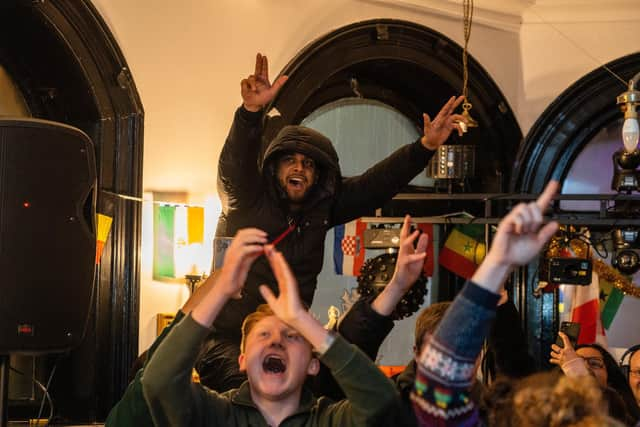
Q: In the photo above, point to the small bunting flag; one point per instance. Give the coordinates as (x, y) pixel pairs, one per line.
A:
(104, 227)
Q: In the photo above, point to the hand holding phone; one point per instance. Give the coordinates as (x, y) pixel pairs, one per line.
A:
(571, 330)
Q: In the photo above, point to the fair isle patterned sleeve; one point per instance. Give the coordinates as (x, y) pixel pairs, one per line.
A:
(446, 367)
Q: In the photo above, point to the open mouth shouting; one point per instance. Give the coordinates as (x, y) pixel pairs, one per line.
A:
(297, 182)
(273, 364)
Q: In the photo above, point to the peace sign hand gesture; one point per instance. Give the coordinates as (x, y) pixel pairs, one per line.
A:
(256, 90)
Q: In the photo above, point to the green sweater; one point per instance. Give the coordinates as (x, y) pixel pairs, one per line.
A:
(174, 400)
(131, 410)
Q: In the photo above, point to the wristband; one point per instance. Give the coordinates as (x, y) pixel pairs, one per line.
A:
(326, 344)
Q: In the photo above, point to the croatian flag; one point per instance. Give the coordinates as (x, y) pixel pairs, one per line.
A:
(348, 247)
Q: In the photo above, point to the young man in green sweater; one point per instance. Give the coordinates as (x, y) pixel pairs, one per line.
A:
(277, 355)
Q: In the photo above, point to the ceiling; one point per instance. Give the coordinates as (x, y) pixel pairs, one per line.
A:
(510, 15)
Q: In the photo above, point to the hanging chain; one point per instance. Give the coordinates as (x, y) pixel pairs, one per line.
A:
(467, 6)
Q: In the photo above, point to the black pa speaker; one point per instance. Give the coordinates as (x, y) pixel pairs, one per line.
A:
(47, 235)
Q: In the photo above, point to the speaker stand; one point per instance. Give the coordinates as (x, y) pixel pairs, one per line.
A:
(4, 390)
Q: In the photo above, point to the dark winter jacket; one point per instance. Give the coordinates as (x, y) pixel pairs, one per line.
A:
(251, 197)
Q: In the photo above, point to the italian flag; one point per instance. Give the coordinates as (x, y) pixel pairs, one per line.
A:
(593, 306)
(584, 303)
(464, 250)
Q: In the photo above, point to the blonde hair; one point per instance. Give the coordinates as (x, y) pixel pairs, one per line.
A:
(559, 401)
(250, 321)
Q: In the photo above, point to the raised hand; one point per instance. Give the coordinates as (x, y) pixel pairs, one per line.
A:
(410, 260)
(437, 131)
(562, 355)
(519, 238)
(408, 267)
(256, 90)
(571, 364)
(521, 235)
(287, 306)
(245, 247)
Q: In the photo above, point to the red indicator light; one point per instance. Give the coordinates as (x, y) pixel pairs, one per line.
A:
(25, 329)
(26, 204)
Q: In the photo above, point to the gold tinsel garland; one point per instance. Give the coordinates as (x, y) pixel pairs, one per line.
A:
(605, 271)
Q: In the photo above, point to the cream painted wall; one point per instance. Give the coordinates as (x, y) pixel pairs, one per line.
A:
(188, 57)
(556, 53)
(162, 297)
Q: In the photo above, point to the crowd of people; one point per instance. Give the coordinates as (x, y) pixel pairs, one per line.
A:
(264, 360)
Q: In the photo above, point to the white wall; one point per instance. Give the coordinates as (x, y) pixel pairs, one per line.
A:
(188, 57)
(561, 45)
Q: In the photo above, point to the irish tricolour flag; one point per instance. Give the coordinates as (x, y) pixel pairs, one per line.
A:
(175, 230)
(348, 247)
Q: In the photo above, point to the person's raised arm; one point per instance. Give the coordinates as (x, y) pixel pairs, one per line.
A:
(238, 174)
(363, 193)
(520, 237)
(171, 396)
(566, 358)
(246, 246)
(368, 322)
(288, 306)
(437, 131)
(408, 267)
(256, 90)
(447, 363)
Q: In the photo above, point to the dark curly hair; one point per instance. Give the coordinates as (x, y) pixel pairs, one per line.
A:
(617, 381)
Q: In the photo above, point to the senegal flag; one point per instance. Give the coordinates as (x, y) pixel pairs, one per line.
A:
(464, 250)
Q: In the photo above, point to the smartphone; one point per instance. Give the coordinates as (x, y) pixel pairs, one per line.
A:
(571, 330)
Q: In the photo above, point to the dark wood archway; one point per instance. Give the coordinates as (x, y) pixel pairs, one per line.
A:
(569, 123)
(551, 146)
(413, 69)
(410, 67)
(70, 69)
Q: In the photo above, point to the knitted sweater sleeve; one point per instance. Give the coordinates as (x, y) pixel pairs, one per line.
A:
(447, 365)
